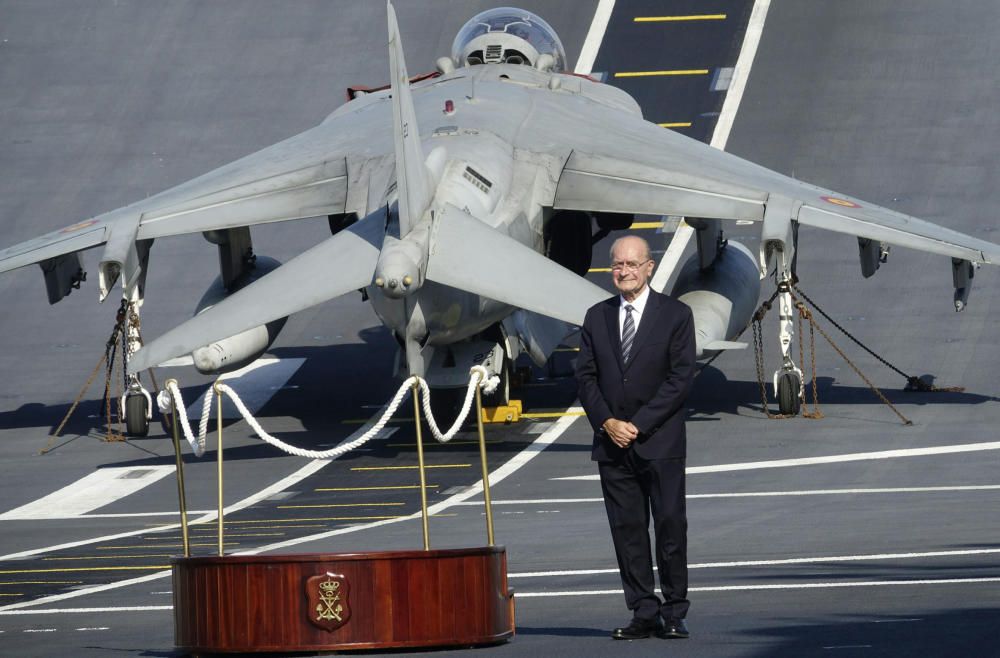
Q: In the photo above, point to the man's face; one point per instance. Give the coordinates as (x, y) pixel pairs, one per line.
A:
(631, 266)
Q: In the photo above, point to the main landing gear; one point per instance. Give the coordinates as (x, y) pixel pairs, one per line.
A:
(789, 386)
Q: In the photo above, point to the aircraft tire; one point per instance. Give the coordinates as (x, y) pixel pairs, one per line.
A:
(788, 394)
(136, 423)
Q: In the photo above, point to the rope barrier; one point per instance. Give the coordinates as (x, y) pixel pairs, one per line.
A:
(479, 377)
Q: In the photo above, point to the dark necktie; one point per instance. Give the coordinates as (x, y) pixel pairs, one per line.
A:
(628, 333)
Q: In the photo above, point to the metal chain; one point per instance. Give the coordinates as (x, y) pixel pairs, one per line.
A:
(72, 408)
(913, 383)
(804, 314)
(875, 389)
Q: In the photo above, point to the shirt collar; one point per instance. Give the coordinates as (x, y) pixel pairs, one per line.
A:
(639, 303)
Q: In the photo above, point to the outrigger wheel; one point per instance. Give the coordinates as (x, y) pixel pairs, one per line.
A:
(789, 386)
(137, 415)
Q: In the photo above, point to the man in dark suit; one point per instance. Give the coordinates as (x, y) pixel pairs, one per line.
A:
(635, 369)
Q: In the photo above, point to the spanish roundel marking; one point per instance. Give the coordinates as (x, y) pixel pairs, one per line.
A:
(78, 226)
(840, 202)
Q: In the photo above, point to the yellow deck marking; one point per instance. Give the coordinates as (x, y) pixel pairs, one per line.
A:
(343, 518)
(435, 443)
(277, 524)
(644, 225)
(645, 74)
(245, 534)
(407, 468)
(177, 545)
(566, 349)
(13, 594)
(341, 505)
(554, 414)
(599, 269)
(675, 19)
(675, 124)
(324, 518)
(154, 567)
(108, 557)
(386, 488)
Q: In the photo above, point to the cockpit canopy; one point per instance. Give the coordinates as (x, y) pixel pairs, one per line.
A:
(507, 35)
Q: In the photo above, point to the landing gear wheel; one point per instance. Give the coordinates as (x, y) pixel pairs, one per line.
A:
(788, 394)
(136, 423)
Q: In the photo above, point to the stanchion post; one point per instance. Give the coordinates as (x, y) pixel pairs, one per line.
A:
(484, 467)
(420, 464)
(170, 384)
(218, 413)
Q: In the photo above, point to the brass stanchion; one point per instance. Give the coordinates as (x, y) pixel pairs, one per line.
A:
(218, 412)
(485, 469)
(420, 462)
(180, 470)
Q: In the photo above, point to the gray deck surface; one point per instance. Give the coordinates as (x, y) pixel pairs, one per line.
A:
(103, 102)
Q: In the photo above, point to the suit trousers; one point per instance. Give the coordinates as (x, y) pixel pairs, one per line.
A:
(633, 487)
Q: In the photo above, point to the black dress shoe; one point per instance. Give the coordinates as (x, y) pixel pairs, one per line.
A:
(638, 629)
(675, 629)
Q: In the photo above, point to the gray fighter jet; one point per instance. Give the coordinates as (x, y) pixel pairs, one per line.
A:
(465, 206)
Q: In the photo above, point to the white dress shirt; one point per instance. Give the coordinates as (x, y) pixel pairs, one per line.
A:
(638, 306)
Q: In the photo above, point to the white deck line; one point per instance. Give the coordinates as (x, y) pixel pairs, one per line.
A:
(720, 136)
(595, 37)
(95, 490)
(829, 459)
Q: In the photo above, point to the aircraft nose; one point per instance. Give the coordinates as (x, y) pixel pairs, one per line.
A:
(397, 275)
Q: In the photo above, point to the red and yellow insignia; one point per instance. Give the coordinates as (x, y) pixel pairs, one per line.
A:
(328, 606)
(78, 226)
(840, 202)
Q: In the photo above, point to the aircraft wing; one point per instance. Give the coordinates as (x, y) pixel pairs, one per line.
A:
(304, 176)
(637, 167)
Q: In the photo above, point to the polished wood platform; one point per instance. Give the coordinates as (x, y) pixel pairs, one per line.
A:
(316, 602)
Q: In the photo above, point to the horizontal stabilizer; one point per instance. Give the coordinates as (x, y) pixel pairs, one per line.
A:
(338, 265)
(718, 345)
(469, 255)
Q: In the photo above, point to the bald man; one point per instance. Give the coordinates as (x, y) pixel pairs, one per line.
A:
(635, 369)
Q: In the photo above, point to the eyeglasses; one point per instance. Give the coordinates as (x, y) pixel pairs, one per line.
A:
(620, 266)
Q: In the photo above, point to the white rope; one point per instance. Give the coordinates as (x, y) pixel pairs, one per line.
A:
(479, 376)
(197, 444)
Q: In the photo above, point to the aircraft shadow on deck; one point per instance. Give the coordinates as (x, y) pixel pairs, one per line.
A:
(336, 381)
(714, 394)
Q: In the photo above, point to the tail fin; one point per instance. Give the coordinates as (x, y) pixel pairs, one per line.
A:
(412, 180)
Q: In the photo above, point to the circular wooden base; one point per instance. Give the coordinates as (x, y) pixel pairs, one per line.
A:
(336, 601)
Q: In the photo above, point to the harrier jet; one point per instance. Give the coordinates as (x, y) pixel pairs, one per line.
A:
(465, 204)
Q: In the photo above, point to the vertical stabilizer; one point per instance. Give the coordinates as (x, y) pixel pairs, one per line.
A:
(412, 180)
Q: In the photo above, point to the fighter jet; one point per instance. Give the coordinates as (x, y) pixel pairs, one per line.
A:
(465, 205)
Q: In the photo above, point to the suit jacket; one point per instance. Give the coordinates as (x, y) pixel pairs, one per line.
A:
(650, 390)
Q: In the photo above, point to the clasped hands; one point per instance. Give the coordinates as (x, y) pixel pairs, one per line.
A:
(622, 432)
